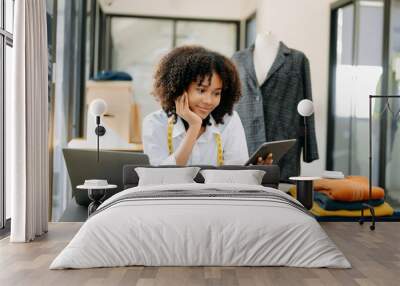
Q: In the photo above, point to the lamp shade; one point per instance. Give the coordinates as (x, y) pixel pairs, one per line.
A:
(305, 107)
(98, 107)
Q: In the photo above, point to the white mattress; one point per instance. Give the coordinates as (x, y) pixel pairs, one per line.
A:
(200, 231)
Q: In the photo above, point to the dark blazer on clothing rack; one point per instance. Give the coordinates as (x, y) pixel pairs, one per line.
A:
(269, 112)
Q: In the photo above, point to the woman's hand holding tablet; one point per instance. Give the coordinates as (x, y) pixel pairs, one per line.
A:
(267, 161)
(270, 151)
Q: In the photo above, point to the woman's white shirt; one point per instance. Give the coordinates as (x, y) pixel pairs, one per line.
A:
(204, 152)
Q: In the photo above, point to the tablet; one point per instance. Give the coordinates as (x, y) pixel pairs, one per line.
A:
(277, 148)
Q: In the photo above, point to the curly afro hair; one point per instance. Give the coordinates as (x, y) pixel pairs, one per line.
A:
(187, 64)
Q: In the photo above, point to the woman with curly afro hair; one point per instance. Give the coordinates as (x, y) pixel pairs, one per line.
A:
(197, 89)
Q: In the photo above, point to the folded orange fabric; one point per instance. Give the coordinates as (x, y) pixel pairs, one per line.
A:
(350, 189)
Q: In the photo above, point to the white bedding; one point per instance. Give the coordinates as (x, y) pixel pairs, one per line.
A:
(200, 231)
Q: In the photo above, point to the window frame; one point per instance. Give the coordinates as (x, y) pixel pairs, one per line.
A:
(6, 39)
(105, 43)
(332, 80)
(252, 17)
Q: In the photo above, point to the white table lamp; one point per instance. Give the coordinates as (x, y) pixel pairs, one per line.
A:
(305, 108)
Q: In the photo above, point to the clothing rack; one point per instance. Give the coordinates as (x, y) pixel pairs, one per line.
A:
(396, 115)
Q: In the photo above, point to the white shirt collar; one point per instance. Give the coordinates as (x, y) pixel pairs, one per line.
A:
(179, 128)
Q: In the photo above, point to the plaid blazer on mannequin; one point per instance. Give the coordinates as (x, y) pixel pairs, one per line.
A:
(269, 112)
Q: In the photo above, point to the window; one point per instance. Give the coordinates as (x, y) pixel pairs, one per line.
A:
(6, 44)
(365, 60)
(392, 138)
(357, 73)
(74, 22)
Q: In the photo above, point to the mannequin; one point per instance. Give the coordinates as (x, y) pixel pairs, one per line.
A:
(274, 79)
(265, 51)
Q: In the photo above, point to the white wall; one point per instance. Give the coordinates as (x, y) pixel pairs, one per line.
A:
(304, 25)
(247, 7)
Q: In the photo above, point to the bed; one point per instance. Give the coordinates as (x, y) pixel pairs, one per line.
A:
(199, 224)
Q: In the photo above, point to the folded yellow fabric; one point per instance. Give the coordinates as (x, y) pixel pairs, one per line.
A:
(383, 210)
(293, 192)
(350, 189)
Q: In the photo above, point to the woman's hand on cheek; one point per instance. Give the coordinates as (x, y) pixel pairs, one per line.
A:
(183, 110)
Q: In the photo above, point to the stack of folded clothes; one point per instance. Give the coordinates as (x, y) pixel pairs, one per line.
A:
(345, 198)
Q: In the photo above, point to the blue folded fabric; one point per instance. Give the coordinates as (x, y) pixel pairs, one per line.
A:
(112, 75)
(330, 205)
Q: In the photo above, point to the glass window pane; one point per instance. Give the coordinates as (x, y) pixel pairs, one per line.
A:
(367, 80)
(89, 36)
(1, 15)
(7, 82)
(393, 120)
(343, 88)
(220, 37)
(137, 47)
(370, 36)
(9, 15)
(358, 74)
(345, 35)
(2, 137)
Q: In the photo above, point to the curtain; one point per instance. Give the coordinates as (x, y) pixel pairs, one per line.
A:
(27, 150)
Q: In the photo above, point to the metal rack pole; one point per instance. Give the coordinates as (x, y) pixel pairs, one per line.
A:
(368, 205)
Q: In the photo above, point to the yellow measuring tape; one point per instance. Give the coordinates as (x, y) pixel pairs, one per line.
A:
(220, 157)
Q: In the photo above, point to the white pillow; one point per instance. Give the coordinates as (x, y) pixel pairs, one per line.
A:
(165, 176)
(249, 177)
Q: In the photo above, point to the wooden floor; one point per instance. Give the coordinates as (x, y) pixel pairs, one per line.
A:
(375, 257)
